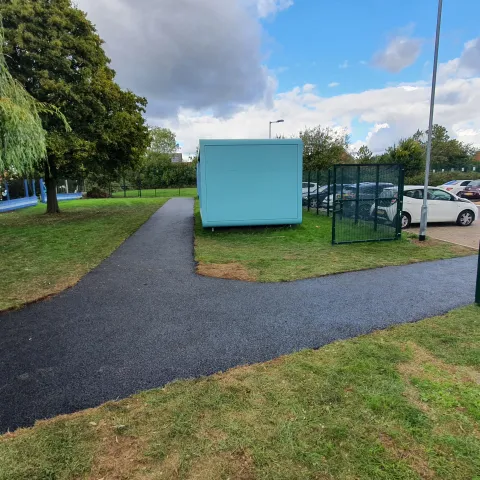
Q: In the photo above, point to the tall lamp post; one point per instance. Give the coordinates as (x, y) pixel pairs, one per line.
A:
(270, 127)
(424, 216)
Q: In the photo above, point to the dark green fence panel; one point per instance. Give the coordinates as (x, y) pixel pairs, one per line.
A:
(316, 191)
(367, 201)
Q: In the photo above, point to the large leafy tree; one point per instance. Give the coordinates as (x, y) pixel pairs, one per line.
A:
(22, 137)
(323, 147)
(409, 152)
(157, 164)
(364, 155)
(54, 51)
(447, 152)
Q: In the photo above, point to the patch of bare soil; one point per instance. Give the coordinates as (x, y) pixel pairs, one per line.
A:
(230, 271)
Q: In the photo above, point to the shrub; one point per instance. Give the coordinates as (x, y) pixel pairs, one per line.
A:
(97, 192)
(439, 178)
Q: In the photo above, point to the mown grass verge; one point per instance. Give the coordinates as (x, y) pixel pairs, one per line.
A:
(397, 404)
(43, 254)
(275, 254)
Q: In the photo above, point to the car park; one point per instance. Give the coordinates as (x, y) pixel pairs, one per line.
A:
(455, 186)
(443, 206)
(471, 191)
(367, 191)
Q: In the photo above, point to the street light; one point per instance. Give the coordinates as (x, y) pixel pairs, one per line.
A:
(270, 127)
(424, 216)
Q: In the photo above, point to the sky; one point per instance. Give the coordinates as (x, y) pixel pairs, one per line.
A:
(225, 68)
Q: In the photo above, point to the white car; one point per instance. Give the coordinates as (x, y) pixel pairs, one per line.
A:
(313, 187)
(442, 206)
(455, 186)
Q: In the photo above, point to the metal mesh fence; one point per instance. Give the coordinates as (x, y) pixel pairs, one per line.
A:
(366, 203)
(317, 191)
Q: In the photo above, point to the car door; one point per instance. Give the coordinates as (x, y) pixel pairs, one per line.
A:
(412, 203)
(442, 206)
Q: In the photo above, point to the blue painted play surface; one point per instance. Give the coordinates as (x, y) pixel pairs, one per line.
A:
(17, 204)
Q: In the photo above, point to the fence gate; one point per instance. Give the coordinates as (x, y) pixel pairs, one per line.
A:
(366, 203)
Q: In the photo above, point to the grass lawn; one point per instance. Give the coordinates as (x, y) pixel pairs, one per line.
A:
(159, 192)
(41, 254)
(403, 403)
(277, 254)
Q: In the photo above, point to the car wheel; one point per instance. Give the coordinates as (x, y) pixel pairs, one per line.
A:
(406, 220)
(466, 218)
(313, 203)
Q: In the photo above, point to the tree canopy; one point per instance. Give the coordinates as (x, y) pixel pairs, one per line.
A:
(22, 138)
(323, 147)
(54, 51)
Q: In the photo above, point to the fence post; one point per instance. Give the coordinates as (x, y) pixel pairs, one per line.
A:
(401, 182)
(318, 183)
(34, 193)
(334, 194)
(357, 194)
(377, 180)
(477, 291)
(25, 186)
(328, 191)
(308, 191)
(341, 194)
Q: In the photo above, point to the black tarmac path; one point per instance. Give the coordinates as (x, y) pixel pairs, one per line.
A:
(144, 318)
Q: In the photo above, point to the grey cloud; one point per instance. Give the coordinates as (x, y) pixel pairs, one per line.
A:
(470, 59)
(401, 52)
(184, 53)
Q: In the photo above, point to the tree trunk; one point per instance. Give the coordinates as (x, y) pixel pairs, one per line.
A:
(51, 184)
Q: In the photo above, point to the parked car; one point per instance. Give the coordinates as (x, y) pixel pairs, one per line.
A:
(471, 191)
(366, 193)
(345, 191)
(455, 186)
(322, 194)
(313, 186)
(442, 206)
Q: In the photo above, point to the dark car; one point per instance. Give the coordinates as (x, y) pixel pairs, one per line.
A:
(323, 191)
(366, 196)
(471, 191)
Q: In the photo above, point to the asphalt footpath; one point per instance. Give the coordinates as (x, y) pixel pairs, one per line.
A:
(144, 318)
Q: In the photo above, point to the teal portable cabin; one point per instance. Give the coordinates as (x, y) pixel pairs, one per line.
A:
(250, 182)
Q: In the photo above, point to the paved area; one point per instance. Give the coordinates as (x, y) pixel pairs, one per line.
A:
(143, 318)
(466, 236)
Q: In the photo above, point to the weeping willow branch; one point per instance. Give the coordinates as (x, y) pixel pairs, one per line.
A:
(22, 138)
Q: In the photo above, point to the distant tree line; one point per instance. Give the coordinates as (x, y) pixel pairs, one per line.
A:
(325, 147)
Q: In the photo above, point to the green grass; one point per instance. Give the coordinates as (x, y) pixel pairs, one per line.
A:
(43, 254)
(276, 254)
(397, 404)
(159, 192)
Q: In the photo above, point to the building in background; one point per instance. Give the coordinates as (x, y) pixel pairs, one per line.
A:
(177, 158)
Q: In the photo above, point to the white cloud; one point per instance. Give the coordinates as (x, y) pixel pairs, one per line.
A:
(400, 52)
(470, 59)
(393, 112)
(467, 65)
(267, 8)
(344, 64)
(333, 84)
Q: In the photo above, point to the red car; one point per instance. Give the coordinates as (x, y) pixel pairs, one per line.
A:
(472, 191)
